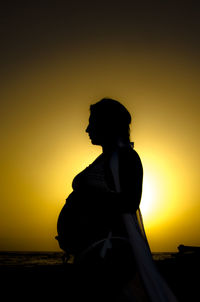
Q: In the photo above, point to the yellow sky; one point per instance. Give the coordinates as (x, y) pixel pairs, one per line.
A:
(46, 110)
(45, 101)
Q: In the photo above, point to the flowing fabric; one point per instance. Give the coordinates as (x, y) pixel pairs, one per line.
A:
(141, 224)
(155, 286)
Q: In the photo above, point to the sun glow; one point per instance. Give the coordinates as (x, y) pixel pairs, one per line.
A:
(155, 202)
(148, 196)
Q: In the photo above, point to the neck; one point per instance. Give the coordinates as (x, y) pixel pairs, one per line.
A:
(112, 146)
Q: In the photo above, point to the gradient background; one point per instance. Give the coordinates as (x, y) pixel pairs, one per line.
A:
(58, 57)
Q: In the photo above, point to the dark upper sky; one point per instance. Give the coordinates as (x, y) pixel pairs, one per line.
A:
(30, 28)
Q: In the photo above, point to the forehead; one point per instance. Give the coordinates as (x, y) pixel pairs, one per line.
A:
(93, 118)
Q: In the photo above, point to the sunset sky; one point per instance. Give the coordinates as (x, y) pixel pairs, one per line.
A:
(57, 58)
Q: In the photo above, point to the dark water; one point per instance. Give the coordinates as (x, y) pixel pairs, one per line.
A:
(42, 275)
(31, 259)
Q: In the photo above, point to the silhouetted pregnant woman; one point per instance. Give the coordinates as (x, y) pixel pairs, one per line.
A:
(96, 222)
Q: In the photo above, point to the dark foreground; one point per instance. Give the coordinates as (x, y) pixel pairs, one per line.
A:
(67, 283)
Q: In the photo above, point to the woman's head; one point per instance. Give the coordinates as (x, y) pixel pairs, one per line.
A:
(109, 121)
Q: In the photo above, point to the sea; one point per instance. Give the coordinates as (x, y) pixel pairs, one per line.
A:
(43, 275)
(32, 259)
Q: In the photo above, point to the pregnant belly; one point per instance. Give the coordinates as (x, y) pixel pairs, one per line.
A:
(79, 226)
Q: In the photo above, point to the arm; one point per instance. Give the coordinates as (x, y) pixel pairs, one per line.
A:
(127, 173)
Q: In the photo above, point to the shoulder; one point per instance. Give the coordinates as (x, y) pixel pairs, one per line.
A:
(129, 156)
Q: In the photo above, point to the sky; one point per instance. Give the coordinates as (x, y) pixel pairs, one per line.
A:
(57, 58)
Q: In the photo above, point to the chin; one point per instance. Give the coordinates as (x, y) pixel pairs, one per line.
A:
(95, 142)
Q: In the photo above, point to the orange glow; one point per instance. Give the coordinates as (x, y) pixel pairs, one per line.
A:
(45, 110)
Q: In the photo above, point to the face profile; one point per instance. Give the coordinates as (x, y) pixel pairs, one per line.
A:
(108, 123)
(94, 130)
